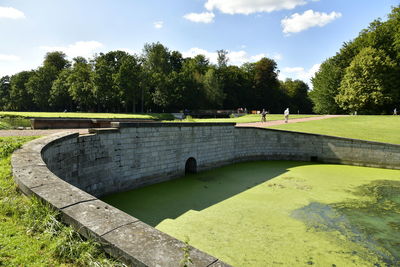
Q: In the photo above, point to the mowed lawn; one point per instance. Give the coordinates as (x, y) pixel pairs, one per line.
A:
(248, 118)
(85, 115)
(373, 128)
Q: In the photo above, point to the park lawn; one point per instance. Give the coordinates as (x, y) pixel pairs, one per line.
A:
(247, 118)
(153, 116)
(30, 233)
(373, 128)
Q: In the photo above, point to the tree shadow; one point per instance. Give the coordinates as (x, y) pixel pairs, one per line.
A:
(171, 199)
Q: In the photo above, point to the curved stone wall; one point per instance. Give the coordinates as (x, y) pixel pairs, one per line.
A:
(70, 171)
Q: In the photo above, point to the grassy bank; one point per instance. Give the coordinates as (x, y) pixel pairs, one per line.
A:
(248, 118)
(151, 116)
(31, 234)
(373, 128)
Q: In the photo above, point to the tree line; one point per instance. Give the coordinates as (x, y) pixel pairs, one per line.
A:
(364, 76)
(157, 80)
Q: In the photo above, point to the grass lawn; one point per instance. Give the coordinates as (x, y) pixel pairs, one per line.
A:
(155, 116)
(247, 118)
(30, 233)
(279, 213)
(373, 128)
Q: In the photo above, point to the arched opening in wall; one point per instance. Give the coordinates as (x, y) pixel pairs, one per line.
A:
(191, 166)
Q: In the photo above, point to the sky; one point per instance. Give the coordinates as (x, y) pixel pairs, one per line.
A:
(298, 34)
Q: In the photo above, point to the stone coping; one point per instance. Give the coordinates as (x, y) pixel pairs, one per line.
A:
(122, 236)
(168, 124)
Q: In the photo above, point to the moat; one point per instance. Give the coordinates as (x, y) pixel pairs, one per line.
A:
(287, 213)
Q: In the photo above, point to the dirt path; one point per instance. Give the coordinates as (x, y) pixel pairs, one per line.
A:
(38, 132)
(279, 122)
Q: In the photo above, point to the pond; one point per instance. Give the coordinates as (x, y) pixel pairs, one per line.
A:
(279, 213)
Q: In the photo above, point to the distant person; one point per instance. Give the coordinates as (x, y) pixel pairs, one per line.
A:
(245, 110)
(263, 116)
(395, 111)
(286, 115)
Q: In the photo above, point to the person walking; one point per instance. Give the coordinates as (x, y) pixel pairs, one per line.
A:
(263, 116)
(286, 115)
(395, 111)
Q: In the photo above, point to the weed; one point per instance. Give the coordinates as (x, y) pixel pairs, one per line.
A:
(186, 260)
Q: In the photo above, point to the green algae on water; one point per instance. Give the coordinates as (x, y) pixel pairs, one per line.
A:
(279, 213)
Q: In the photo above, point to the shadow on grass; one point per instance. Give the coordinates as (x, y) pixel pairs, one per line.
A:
(171, 199)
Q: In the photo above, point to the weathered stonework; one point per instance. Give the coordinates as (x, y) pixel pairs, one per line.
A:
(71, 171)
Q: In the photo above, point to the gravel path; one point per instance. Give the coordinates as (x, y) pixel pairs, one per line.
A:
(85, 131)
(273, 123)
(38, 132)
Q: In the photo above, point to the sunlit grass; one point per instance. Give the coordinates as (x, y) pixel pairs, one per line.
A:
(85, 115)
(246, 118)
(30, 231)
(373, 128)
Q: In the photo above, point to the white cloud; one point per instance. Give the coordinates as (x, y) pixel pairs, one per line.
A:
(158, 24)
(81, 48)
(235, 57)
(300, 22)
(205, 17)
(11, 13)
(8, 58)
(299, 73)
(251, 6)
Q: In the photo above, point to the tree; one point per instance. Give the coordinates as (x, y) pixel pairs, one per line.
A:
(127, 81)
(212, 88)
(81, 85)
(60, 98)
(20, 98)
(222, 58)
(39, 85)
(369, 83)
(266, 84)
(326, 84)
(297, 93)
(109, 95)
(5, 89)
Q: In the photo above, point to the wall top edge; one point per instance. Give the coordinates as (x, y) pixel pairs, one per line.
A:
(168, 124)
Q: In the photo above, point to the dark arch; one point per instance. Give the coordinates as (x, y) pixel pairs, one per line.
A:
(191, 166)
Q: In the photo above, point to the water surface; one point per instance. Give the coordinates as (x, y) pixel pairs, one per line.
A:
(279, 213)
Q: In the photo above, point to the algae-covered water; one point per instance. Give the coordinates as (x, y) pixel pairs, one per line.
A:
(279, 213)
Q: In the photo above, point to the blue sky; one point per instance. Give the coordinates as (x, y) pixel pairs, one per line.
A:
(298, 34)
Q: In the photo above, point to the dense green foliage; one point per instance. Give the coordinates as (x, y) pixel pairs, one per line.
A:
(156, 80)
(31, 234)
(364, 75)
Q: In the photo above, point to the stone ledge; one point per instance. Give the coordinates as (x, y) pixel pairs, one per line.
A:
(156, 247)
(144, 245)
(167, 124)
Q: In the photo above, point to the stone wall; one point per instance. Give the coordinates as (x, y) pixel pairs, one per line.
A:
(269, 144)
(70, 171)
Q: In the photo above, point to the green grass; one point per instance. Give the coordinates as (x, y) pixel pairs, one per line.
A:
(30, 232)
(373, 128)
(153, 116)
(247, 118)
(12, 122)
(279, 213)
